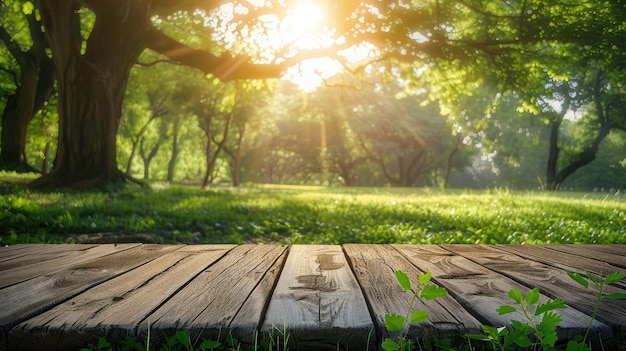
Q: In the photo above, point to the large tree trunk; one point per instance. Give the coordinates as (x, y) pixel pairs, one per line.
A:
(14, 127)
(34, 88)
(91, 88)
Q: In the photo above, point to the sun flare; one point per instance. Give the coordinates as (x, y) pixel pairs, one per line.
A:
(303, 29)
(306, 17)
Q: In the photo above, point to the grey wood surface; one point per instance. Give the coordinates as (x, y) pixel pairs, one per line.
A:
(374, 266)
(329, 297)
(42, 262)
(229, 290)
(319, 301)
(552, 282)
(115, 308)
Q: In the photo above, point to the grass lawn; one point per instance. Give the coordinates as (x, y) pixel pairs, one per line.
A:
(306, 215)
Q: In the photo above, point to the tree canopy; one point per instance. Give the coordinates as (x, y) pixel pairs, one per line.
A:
(536, 59)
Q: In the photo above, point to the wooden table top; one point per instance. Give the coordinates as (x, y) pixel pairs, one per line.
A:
(329, 297)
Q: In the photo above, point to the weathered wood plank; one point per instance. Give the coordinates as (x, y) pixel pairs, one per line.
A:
(564, 260)
(27, 299)
(10, 251)
(551, 281)
(612, 254)
(35, 254)
(116, 307)
(616, 249)
(62, 295)
(374, 267)
(7, 248)
(228, 297)
(37, 268)
(319, 301)
(481, 290)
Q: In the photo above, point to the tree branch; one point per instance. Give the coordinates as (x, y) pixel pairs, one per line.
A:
(225, 68)
(12, 46)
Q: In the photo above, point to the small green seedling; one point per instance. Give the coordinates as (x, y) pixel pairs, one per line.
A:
(600, 283)
(544, 332)
(396, 322)
(540, 322)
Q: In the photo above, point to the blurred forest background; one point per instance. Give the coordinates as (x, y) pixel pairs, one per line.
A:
(551, 114)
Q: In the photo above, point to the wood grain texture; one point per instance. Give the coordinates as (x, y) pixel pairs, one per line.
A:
(29, 298)
(481, 290)
(329, 297)
(43, 264)
(567, 261)
(228, 297)
(374, 267)
(116, 307)
(319, 301)
(612, 254)
(551, 282)
(36, 254)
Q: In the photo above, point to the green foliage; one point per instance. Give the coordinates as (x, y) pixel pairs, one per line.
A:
(179, 341)
(543, 332)
(312, 215)
(530, 334)
(599, 282)
(398, 323)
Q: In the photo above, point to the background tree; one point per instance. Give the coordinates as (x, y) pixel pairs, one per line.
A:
(22, 36)
(92, 78)
(252, 98)
(454, 45)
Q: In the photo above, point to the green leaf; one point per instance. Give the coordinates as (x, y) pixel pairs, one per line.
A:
(183, 338)
(419, 316)
(550, 339)
(480, 337)
(504, 309)
(103, 343)
(231, 340)
(210, 344)
(576, 346)
(614, 277)
(518, 335)
(577, 277)
(592, 277)
(549, 306)
(390, 345)
(532, 296)
(394, 322)
(548, 324)
(404, 281)
(431, 292)
(516, 296)
(424, 278)
(615, 296)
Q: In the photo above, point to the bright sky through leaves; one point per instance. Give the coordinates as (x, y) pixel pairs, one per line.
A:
(304, 29)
